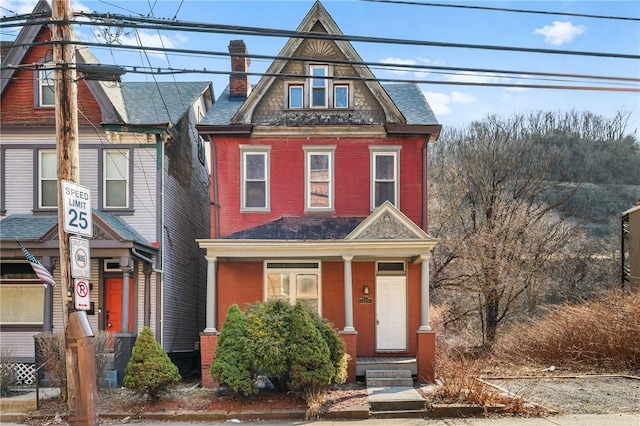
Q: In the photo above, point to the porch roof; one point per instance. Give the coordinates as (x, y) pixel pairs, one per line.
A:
(300, 228)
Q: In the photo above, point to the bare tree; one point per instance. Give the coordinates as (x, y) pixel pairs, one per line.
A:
(493, 209)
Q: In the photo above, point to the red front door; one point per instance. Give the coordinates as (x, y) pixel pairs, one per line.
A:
(113, 305)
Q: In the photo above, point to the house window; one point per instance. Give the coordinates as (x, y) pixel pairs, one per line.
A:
(341, 96)
(115, 179)
(21, 294)
(294, 282)
(255, 178)
(46, 86)
(319, 85)
(48, 180)
(385, 176)
(319, 178)
(296, 96)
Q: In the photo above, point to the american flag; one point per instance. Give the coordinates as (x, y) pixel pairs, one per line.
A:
(42, 272)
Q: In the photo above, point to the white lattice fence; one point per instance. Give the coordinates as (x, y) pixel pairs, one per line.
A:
(24, 372)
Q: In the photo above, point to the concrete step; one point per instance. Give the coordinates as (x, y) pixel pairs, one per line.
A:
(384, 378)
(402, 414)
(387, 373)
(395, 398)
(390, 381)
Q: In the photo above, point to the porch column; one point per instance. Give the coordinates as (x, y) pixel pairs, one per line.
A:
(211, 306)
(126, 271)
(147, 294)
(348, 294)
(424, 293)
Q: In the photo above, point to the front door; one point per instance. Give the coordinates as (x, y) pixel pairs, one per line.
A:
(113, 305)
(391, 313)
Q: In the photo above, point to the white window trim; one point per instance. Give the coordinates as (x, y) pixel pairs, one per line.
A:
(42, 79)
(393, 150)
(335, 87)
(262, 150)
(293, 271)
(290, 85)
(40, 178)
(127, 179)
(327, 86)
(330, 151)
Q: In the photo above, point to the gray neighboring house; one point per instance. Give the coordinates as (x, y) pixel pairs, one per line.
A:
(146, 167)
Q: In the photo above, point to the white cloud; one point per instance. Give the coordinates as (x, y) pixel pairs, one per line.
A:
(560, 32)
(442, 103)
(403, 70)
(474, 78)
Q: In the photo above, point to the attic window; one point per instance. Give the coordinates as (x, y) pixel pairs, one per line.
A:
(46, 86)
(318, 91)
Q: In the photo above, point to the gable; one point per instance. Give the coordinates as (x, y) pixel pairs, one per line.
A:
(370, 104)
(387, 223)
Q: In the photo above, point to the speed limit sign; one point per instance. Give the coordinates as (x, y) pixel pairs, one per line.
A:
(77, 209)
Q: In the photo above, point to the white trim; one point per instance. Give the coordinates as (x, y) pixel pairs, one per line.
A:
(319, 150)
(294, 272)
(263, 150)
(54, 178)
(124, 176)
(393, 151)
(46, 80)
(326, 86)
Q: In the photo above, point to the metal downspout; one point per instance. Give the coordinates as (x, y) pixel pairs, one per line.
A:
(214, 172)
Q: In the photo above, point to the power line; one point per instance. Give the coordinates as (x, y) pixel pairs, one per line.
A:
(380, 65)
(503, 9)
(161, 24)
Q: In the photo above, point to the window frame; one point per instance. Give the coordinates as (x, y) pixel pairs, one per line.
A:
(294, 269)
(347, 87)
(295, 85)
(24, 278)
(309, 151)
(262, 150)
(54, 178)
(45, 71)
(128, 179)
(324, 87)
(393, 151)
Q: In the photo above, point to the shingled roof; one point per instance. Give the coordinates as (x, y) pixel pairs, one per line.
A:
(300, 228)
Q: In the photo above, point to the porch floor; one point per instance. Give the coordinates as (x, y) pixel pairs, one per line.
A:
(364, 363)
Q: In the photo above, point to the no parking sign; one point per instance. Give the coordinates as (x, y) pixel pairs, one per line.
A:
(81, 294)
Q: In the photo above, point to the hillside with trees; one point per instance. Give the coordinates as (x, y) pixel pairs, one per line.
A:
(527, 210)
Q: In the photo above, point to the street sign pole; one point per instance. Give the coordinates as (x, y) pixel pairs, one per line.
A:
(82, 391)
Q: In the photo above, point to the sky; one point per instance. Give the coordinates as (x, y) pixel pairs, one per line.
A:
(454, 104)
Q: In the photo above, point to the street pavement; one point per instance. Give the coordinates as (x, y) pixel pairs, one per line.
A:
(629, 419)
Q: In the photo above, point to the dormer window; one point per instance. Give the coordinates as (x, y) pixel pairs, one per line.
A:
(318, 91)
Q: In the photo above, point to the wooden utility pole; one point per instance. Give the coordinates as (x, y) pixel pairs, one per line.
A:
(82, 400)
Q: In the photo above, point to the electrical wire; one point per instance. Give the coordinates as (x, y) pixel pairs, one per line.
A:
(503, 9)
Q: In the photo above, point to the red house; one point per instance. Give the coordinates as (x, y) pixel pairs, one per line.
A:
(319, 194)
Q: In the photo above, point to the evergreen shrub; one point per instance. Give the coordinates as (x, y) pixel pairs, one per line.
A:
(150, 371)
(231, 366)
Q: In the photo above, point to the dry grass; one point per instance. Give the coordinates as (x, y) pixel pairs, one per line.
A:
(602, 335)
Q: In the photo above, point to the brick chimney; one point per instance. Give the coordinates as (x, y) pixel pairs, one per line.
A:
(239, 80)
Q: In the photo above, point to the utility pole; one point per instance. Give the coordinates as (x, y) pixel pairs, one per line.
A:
(82, 398)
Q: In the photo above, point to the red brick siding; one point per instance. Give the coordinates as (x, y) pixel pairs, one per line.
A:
(352, 189)
(239, 283)
(19, 105)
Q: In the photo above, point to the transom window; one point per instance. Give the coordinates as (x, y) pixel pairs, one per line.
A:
(255, 178)
(319, 184)
(116, 178)
(46, 86)
(294, 282)
(385, 175)
(48, 179)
